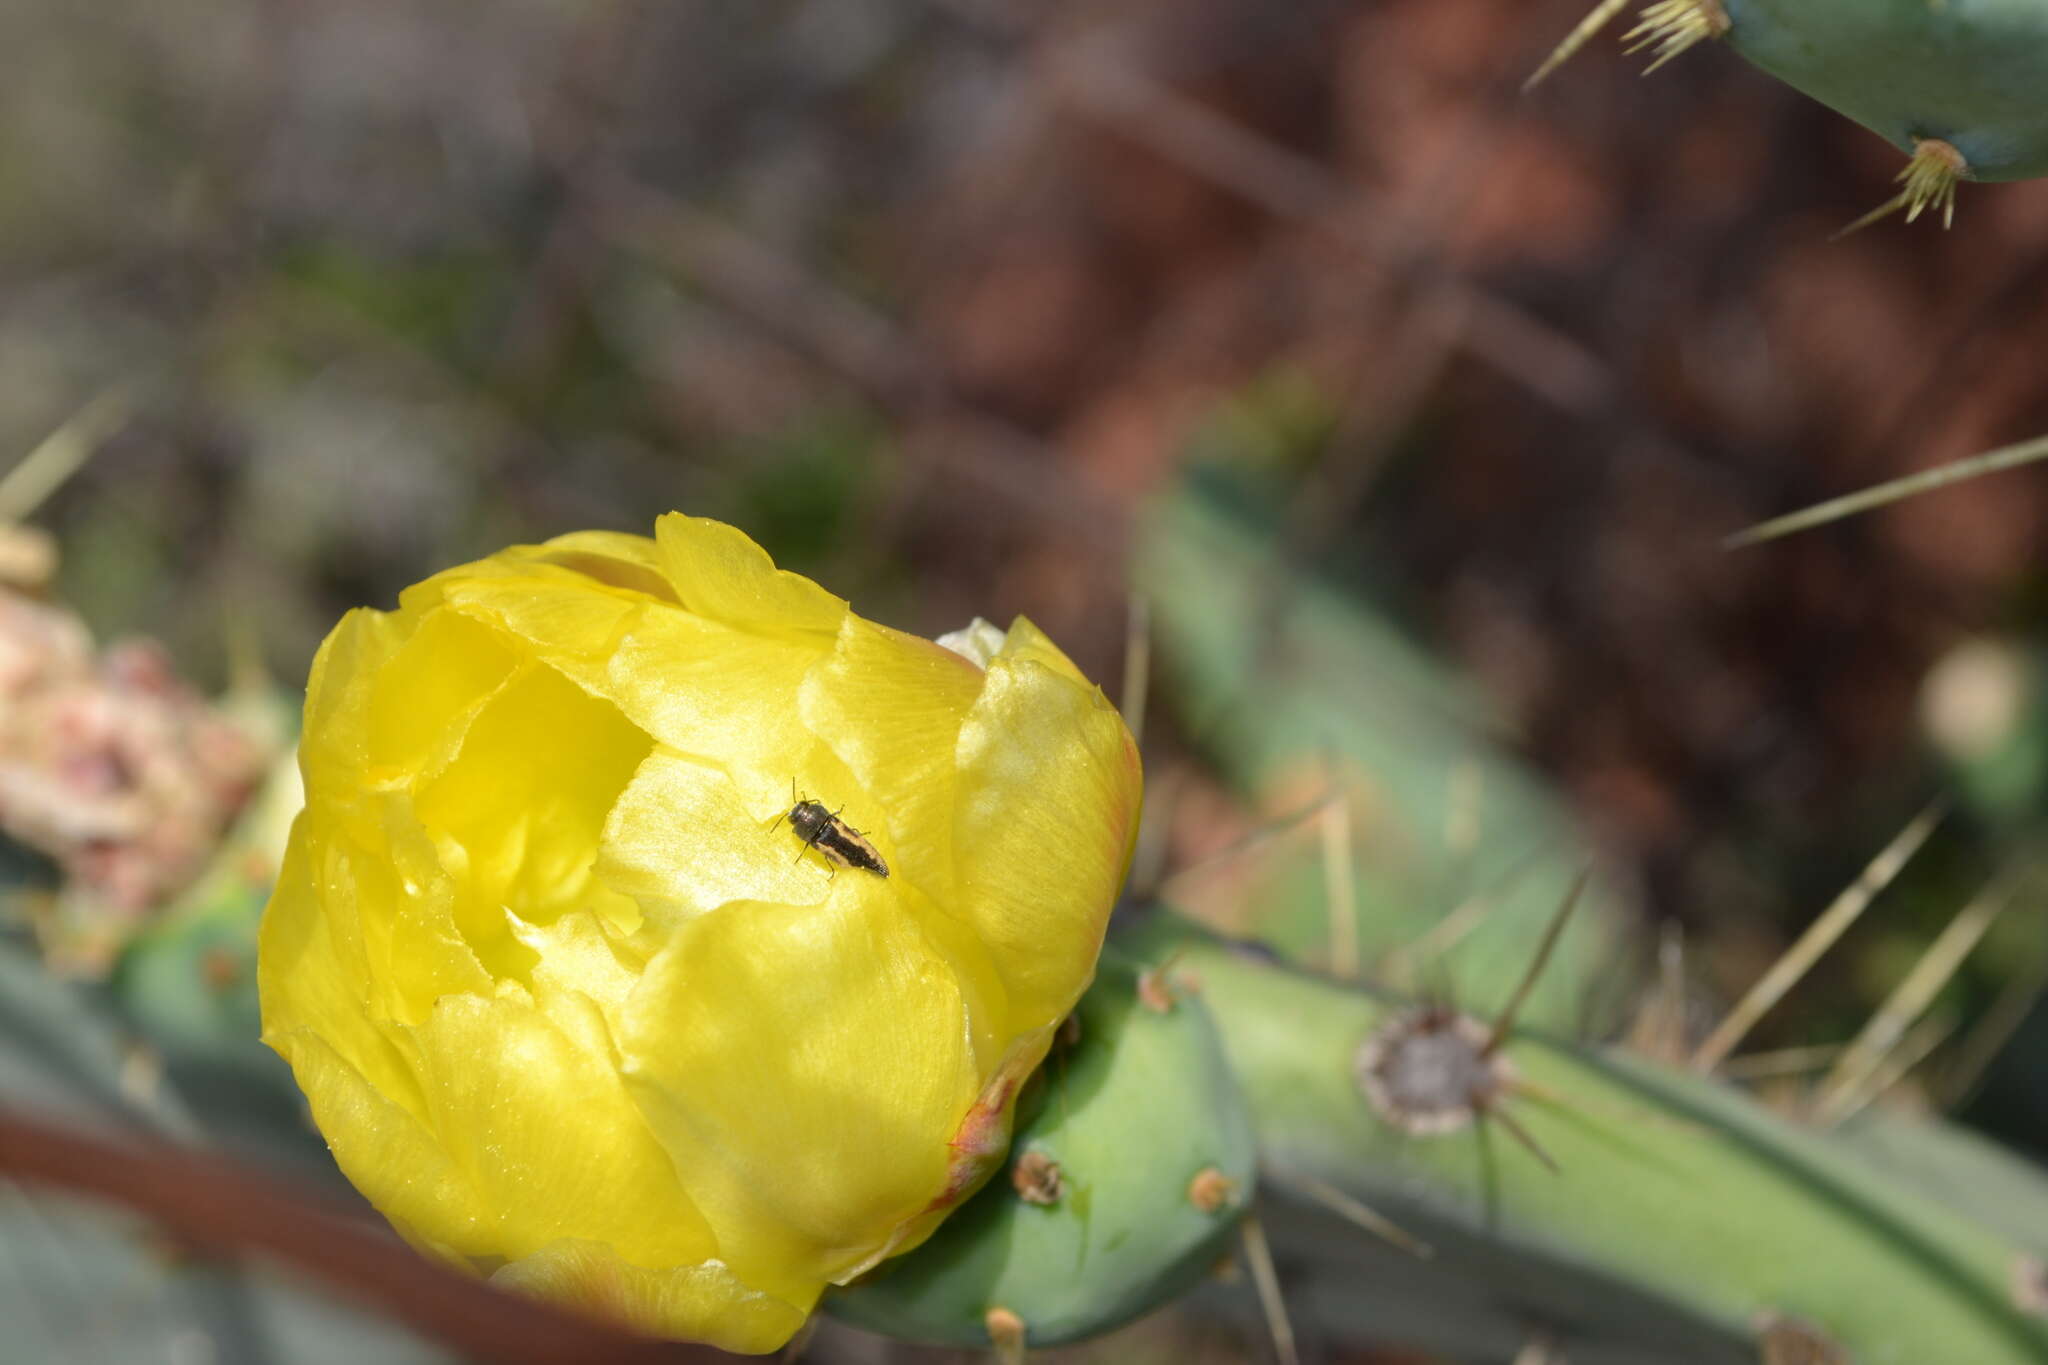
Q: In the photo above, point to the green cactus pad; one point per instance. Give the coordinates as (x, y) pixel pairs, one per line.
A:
(1972, 73)
(1682, 1223)
(1283, 674)
(1141, 1153)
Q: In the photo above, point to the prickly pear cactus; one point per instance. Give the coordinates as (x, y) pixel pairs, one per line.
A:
(1956, 84)
(1969, 73)
(1609, 1208)
(1123, 1188)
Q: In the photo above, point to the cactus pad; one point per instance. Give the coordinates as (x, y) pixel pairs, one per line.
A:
(1123, 1187)
(1971, 73)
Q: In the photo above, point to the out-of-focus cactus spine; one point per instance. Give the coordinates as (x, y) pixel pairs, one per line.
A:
(1123, 1187)
(1682, 1222)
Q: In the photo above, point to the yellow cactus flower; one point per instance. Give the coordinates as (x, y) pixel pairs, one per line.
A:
(575, 1001)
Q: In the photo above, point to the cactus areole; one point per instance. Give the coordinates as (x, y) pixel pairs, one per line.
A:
(1970, 73)
(1431, 1071)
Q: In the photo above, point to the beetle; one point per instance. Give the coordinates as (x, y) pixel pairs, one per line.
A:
(841, 843)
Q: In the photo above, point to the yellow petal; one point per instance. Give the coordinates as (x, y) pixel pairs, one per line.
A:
(426, 695)
(358, 934)
(385, 1150)
(722, 695)
(806, 1066)
(889, 707)
(682, 841)
(528, 1107)
(1026, 641)
(700, 1302)
(612, 557)
(1048, 812)
(519, 810)
(719, 572)
(336, 745)
(587, 954)
(567, 615)
(314, 978)
(696, 685)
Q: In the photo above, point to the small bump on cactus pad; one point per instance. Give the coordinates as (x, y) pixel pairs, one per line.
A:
(1788, 1341)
